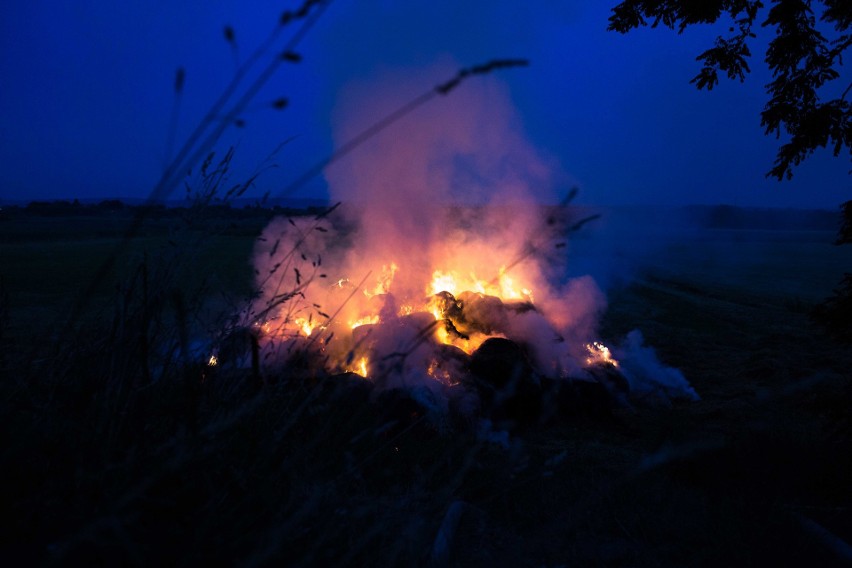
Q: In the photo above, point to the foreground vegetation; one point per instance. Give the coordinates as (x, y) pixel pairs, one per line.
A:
(110, 458)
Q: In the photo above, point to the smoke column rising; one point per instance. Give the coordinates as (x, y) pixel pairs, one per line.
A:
(450, 198)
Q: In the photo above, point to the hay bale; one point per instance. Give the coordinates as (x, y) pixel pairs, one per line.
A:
(508, 386)
(482, 313)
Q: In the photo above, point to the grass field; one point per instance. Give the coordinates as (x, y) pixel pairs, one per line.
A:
(100, 469)
(48, 262)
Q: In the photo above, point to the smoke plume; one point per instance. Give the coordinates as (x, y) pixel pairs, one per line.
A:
(452, 200)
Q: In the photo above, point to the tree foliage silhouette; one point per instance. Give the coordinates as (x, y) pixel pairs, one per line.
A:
(807, 98)
(807, 95)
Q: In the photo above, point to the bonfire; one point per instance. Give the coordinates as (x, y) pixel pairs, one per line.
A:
(445, 271)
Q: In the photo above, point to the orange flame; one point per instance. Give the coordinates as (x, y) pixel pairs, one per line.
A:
(364, 321)
(359, 367)
(503, 287)
(385, 280)
(306, 326)
(599, 354)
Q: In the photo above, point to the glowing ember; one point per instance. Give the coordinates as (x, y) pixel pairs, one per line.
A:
(472, 344)
(364, 321)
(441, 334)
(306, 326)
(436, 313)
(439, 373)
(599, 354)
(264, 326)
(360, 367)
(213, 361)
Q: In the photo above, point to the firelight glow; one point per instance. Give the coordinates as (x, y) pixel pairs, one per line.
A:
(600, 354)
(366, 320)
(361, 367)
(441, 282)
(503, 286)
(306, 326)
(384, 282)
(443, 237)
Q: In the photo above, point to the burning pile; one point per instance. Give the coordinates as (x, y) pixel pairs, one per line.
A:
(476, 345)
(445, 271)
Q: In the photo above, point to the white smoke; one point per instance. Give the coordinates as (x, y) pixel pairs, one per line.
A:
(453, 188)
(648, 377)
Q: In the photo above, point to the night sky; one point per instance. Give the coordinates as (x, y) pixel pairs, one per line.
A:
(87, 93)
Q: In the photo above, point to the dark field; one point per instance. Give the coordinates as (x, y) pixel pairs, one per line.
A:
(103, 465)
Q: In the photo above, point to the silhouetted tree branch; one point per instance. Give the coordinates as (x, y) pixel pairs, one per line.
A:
(803, 62)
(805, 67)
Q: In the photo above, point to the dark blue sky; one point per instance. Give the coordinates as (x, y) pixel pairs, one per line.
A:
(87, 96)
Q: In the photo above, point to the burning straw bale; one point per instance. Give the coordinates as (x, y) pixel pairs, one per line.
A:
(481, 313)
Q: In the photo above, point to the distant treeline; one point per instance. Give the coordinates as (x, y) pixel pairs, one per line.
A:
(695, 216)
(763, 219)
(118, 208)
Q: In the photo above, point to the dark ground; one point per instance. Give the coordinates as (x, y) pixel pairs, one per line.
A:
(103, 464)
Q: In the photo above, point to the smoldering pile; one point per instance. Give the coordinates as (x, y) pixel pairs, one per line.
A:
(488, 351)
(413, 357)
(442, 279)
